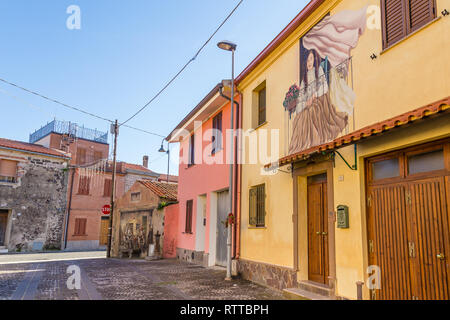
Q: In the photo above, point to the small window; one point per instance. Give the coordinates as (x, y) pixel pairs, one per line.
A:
(136, 196)
(189, 210)
(8, 171)
(98, 155)
(192, 150)
(217, 133)
(385, 169)
(81, 156)
(84, 185)
(107, 190)
(426, 162)
(262, 106)
(80, 227)
(257, 207)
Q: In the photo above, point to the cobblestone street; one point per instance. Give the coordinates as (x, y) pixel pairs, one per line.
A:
(44, 277)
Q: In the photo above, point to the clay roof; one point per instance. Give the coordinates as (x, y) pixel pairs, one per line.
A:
(167, 191)
(435, 108)
(137, 167)
(30, 147)
(163, 178)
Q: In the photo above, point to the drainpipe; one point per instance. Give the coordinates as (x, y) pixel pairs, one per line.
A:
(238, 185)
(69, 208)
(235, 171)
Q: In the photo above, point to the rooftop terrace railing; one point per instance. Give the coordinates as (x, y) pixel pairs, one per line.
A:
(69, 128)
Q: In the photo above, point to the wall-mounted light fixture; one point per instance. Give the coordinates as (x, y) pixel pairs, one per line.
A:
(445, 12)
(373, 56)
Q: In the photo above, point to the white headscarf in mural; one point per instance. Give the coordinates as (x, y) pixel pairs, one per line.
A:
(336, 35)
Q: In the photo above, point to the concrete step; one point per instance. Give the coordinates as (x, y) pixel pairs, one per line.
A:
(316, 288)
(3, 250)
(299, 294)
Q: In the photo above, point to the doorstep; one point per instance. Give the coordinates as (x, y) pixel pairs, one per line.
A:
(299, 294)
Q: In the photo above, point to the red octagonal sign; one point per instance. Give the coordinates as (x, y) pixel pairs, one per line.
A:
(106, 209)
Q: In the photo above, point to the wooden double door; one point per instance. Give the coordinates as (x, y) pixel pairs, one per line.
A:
(3, 224)
(318, 266)
(408, 223)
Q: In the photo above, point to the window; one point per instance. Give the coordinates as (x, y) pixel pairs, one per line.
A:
(107, 191)
(386, 169)
(192, 150)
(80, 227)
(8, 171)
(257, 207)
(136, 196)
(402, 17)
(81, 156)
(84, 185)
(189, 209)
(98, 155)
(217, 133)
(425, 162)
(262, 106)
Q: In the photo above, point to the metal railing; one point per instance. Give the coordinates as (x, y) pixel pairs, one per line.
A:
(71, 129)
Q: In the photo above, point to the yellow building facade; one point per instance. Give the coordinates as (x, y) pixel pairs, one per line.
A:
(358, 93)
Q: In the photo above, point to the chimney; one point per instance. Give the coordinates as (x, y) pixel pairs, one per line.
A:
(145, 161)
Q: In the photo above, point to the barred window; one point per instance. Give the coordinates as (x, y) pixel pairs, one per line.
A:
(257, 207)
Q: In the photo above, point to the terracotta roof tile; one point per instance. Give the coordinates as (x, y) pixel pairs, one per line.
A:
(136, 167)
(172, 178)
(24, 146)
(167, 191)
(440, 106)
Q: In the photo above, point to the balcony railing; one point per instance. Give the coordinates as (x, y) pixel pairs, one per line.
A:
(69, 128)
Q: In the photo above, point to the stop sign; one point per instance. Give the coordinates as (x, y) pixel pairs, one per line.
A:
(106, 209)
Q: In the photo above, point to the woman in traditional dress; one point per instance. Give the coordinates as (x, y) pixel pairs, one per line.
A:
(317, 120)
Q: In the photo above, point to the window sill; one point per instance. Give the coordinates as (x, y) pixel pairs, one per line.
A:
(259, 126)
(188, 233)
(256, 228)
(79, 235)
(410, 35)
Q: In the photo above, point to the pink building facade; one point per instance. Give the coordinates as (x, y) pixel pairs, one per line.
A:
(203, 189)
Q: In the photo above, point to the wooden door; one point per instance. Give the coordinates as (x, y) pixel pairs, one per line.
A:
(221, 239)
(388, 235)
(317, 229)
(3, 224)
(430, 239)
(408, 224)
(104, 226)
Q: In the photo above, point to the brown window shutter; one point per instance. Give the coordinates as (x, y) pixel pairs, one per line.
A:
(394, 21)
(420, 12)
(262, 106)
(81, 156)
(107, 188)
(80, 227)
(189, 207)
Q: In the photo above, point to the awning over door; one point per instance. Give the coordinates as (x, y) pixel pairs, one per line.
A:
(425, 112)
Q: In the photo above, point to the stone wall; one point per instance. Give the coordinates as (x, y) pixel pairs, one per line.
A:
(267, 275)
(36, 204)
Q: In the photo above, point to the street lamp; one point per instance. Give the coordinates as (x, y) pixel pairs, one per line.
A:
(230, 46)
(162, 150)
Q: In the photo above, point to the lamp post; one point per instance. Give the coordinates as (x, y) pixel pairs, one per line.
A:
(229, 46)
(162, 150)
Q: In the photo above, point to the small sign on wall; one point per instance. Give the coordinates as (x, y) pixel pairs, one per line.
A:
(342, 217)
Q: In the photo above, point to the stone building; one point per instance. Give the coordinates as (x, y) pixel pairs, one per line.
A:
(139, 220)
(33, 189)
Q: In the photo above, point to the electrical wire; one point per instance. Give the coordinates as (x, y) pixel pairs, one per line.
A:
(183, 68)
(66, 105)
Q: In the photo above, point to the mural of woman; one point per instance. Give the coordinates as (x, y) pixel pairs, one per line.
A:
(325, 101)
(316, 120)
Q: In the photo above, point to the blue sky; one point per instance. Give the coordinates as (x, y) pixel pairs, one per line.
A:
(123, 54)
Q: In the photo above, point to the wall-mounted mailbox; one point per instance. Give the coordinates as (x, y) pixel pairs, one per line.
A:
(342, 217)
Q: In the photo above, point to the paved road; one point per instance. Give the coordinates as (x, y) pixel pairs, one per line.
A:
(45, 276)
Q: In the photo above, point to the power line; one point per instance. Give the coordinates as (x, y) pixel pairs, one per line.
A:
(67, 106)
(55, 101)
(183, 68)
